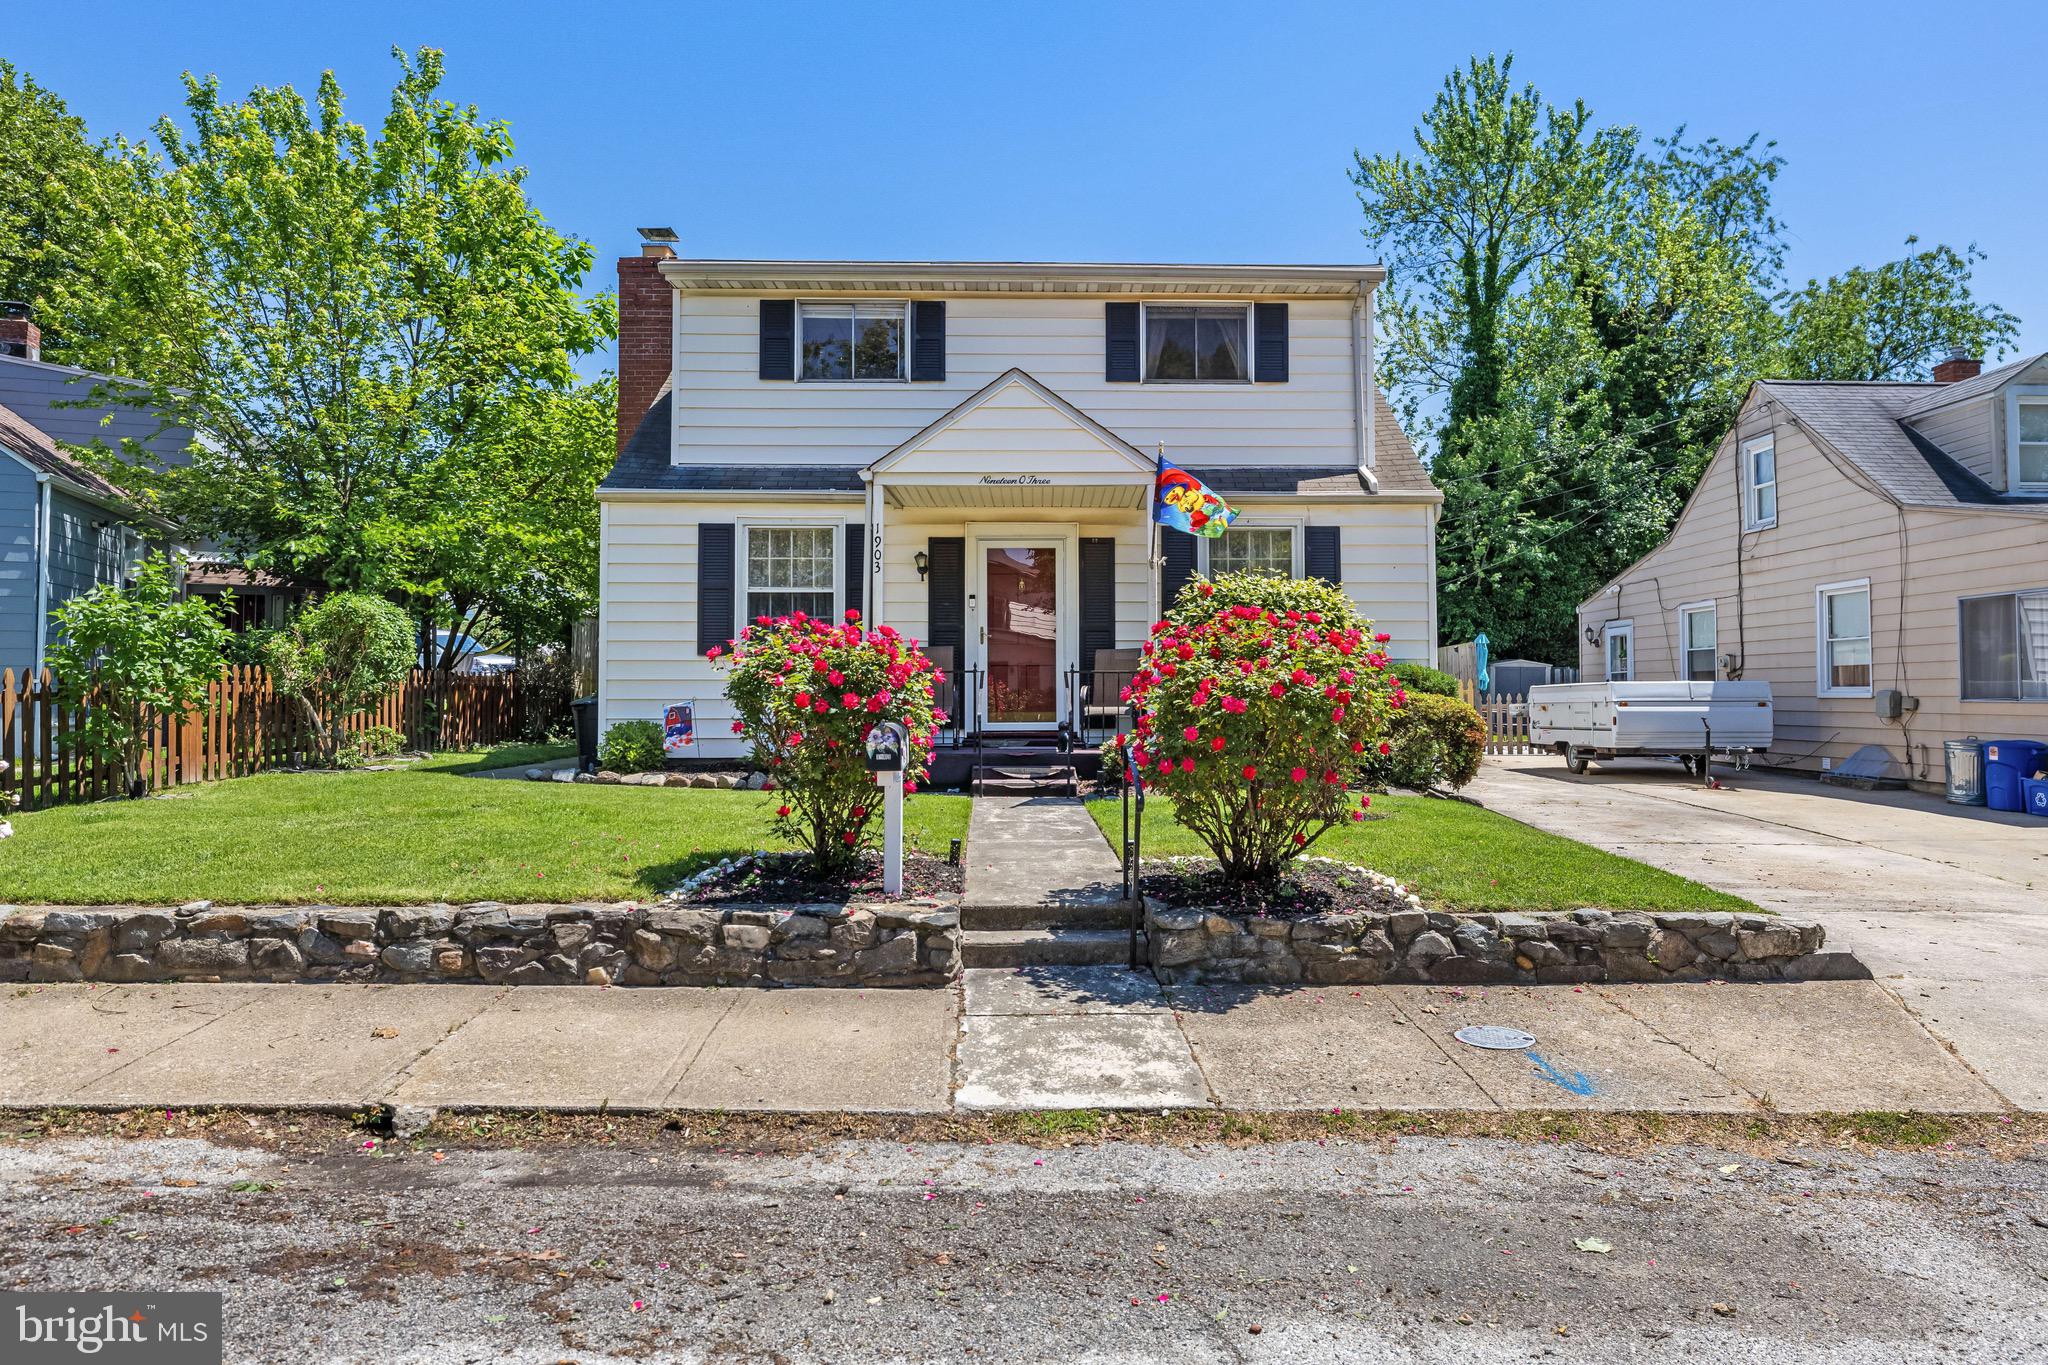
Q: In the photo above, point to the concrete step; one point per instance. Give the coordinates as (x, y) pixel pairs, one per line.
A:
(1047, 947)
(1013, 782)
(1107, 914)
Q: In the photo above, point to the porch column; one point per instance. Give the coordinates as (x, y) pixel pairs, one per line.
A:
(877, 506)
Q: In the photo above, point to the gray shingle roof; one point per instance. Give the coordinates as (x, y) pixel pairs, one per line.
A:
(1935, 396)
(34, 445)
(644, 464)
(1861, 422)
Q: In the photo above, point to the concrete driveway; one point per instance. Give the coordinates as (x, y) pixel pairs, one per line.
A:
(1947, 905)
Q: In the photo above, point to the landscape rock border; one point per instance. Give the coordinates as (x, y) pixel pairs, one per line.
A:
(894, 943)
(1433, 947)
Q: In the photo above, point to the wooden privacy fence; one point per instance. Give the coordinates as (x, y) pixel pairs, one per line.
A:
(246, 727)
(1506, 717)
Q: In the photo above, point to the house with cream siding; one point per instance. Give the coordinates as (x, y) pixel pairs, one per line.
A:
(967, 452)
(1877, 552)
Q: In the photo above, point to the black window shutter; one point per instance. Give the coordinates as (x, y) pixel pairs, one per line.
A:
(1322, 553)
(945, 584)
(853, 569)
(1269, 342)
(1098, 597)
(1120, 343)
(928, 339)
(778, 338)
(715, 566)
(1177, 548)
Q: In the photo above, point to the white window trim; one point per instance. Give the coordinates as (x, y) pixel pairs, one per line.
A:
(1961, 642)
(1750, 487)
(1686, 609)
(741, 590)
(902, 375)
(2030, 395)
(1820, 636)
(1251, 362)
(1608, 631)
(1291, 526)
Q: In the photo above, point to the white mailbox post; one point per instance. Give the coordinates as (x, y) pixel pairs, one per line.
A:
(887, 743)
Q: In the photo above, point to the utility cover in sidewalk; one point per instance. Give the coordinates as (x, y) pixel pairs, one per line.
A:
(1496, 1037)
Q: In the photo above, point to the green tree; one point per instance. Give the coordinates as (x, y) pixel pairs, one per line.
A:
(123, 656)
(337, 658)
(1893, 321)
(378, 332)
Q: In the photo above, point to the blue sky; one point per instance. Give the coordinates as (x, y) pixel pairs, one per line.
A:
(1108, 131)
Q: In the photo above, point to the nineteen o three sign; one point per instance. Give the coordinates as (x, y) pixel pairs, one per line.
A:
(874, 557)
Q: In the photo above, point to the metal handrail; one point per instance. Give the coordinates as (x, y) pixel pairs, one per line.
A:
(1134, 841)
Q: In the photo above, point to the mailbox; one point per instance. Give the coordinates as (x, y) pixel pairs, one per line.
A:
(886, 744)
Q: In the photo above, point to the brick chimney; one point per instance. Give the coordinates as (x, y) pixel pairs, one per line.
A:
(19, 335)
(1958, 367)
(645, 303)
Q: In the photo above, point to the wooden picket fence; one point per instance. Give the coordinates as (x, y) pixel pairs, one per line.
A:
(1506, 717)
(245, 727)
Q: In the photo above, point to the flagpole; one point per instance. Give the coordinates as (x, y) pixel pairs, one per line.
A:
(1152, 533)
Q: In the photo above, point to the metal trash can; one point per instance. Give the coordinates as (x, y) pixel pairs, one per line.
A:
(1963, 771)
(585, 711)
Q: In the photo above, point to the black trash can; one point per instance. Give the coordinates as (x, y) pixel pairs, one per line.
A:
(585, 711)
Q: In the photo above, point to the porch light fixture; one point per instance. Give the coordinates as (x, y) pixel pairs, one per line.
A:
(923, 562)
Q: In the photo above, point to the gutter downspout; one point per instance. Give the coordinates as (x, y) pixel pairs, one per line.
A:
(1361, 386)
(42, 574)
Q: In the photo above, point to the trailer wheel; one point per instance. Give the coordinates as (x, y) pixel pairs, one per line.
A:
(1574, 759)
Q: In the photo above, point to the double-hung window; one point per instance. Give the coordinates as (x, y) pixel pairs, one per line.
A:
(791, 569)
(1759, 483)
(1843, 627)
(850, 341)
(1186, 344)
(1254, 549)
(2031, 444)
(2005, 646)
(1698, 641)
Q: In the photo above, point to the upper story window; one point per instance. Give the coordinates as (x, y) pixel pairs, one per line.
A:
(1844, 630)
(2033, 443)
(1254, 549)
(1759, 483)
(2005, 646)
(851, 341)
(1197, 345)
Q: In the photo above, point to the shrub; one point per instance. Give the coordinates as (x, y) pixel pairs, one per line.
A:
(631, 746)
(369, 744)
(1432, 741)
(1254, 715)
(1420, 677)
(123, 654)
(807, 693)
(336, 658)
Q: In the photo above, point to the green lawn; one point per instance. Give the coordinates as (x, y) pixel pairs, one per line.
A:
(421, 834)
(1459, 857)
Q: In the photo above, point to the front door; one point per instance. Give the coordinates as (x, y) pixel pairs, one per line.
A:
(1020, 636)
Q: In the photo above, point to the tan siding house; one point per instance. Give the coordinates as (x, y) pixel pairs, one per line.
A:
(1851, 540)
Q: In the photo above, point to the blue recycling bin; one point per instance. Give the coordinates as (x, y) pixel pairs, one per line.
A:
(2008, 763)
(2037, 797)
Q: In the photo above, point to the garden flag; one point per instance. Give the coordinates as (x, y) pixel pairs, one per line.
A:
(1181, 501)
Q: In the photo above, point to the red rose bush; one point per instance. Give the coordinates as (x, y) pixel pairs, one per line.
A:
(1257, 701)
(807, 692)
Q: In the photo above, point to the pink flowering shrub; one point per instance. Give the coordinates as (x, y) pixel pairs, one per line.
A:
(1258, 701)
(807, 693)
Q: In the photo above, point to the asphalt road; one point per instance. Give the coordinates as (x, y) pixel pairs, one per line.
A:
(1418, 1249)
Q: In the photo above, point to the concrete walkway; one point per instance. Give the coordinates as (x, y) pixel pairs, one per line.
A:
(1038, 852)
(1947, 905)
(1026, 1039)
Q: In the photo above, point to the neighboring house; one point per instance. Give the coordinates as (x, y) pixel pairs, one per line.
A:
(1859, 546)
(92, 530)
(966, 452)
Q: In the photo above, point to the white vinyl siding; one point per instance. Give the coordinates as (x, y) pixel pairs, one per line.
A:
(1760, 483)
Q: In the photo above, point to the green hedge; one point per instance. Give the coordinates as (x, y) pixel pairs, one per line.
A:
(631, 746)
(1434, 742)
(1420, 677)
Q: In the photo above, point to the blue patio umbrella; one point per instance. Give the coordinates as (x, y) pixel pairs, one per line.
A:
(1484, 679)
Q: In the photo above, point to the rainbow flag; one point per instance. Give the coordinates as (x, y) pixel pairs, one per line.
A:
(1180, 500)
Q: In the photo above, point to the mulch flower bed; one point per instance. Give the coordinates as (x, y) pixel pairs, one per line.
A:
(788, 877)
(1310, 886)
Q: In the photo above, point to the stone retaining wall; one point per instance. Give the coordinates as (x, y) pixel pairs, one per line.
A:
(890, 944)
(1431, 947)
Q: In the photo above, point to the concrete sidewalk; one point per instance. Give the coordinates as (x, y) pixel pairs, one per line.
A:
(1947, 905)
(1026, 1039)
